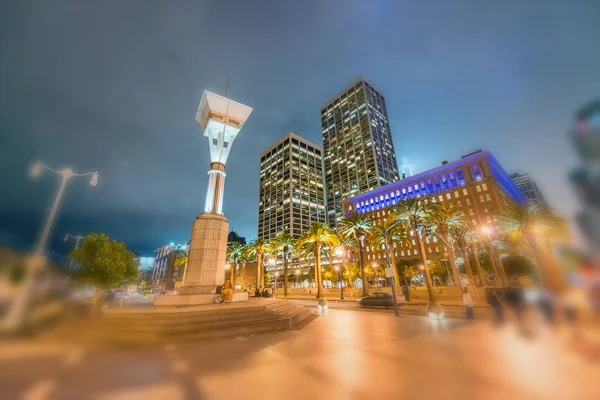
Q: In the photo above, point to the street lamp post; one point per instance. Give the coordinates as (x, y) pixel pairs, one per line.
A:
(77, 240)
(297, 277)
(17, 308)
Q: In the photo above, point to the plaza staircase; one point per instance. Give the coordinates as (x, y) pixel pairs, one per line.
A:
(152, 325)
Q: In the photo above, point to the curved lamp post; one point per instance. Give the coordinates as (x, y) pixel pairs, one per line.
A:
(17, 308)
(77, 238)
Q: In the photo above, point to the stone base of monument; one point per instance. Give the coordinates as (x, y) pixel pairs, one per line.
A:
(208, 252)
(194, 299)
(138, 326)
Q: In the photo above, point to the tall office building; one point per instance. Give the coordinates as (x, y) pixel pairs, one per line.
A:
(359, 154)
(291, 195)
(529, 189)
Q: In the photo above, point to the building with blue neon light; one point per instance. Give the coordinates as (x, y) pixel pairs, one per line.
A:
(476, 183)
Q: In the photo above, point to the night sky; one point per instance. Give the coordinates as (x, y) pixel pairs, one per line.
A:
(114, 86)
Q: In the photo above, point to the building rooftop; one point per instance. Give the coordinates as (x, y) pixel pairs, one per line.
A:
(288, 136)
(505, 181)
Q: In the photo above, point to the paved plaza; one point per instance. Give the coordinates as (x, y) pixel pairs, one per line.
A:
(343, 354)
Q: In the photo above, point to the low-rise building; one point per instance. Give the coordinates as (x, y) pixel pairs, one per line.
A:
(476, 183)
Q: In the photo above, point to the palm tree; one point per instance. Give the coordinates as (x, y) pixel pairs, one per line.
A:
(463, 238)
(442, 218)
(182, 261)
(526, 223)
(284, 244)
(386, 232)
(258, 248)
(235, 253)
(414, 211)
(358, 226)
(317, 237)
(346, 245)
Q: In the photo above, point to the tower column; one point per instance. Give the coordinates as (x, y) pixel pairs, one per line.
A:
(215, 189)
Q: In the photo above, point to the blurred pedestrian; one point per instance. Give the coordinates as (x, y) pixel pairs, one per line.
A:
(514, 299)
(468, 302)
(496, 305)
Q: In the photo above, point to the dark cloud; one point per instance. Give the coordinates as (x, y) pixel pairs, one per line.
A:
(114, 86)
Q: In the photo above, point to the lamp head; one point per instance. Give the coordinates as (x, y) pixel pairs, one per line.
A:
(36, 170)
(94, 179)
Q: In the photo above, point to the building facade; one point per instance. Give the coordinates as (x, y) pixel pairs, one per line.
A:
(476, 184)
(529, 189)
(358, 150)
(233, 237)
(585, 135)
(164, 272)
(291, 192)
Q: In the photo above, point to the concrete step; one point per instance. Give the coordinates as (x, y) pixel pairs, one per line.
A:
(141, 327)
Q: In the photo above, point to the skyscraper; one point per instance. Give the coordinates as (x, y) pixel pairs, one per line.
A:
(291, 195)
(529, 189)
(359, 154)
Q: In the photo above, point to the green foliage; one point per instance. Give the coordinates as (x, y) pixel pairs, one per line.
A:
(407, 269)
(518, 266)
(267, 278)
(104, 263)
(438, 269)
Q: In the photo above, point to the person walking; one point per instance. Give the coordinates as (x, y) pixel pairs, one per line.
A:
(468, 302)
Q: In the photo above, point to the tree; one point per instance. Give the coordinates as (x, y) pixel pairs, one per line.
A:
(408, 269)
(345, 247)
(438, 270)
(105, 263)
(317, 237)
(414, 210)
(387, 231)
(518, 266)
(284, 244)
(463, 238)
(235, 253)
(358, 226)
(258, 248)
(442, 218)
(182, 261)
(529, 224)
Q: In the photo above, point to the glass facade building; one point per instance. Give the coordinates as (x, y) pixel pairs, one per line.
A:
(291, 193)
(529, 189)
(358, 150)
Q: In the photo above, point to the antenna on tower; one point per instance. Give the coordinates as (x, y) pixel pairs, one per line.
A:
(227, 84)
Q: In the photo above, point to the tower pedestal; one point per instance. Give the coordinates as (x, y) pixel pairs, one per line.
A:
(208, 254)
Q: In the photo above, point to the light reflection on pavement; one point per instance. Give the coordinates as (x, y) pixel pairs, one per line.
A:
(340, 355)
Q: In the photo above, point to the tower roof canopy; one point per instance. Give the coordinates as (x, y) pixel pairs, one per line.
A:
(219, 108)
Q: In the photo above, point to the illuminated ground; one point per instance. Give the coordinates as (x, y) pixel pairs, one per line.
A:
(341, 355)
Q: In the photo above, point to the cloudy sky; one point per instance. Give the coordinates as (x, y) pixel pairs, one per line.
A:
(114, 85)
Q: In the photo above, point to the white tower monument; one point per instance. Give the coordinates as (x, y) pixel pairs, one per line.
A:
(222, 119)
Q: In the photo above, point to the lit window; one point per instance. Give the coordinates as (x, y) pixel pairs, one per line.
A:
(484, 186)
(471, 212)
(448, 196)
(478, 188)
(456, 194)
(481, 199)
(488, 197)
(465, 192)
(468, 202)
(441, 198)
